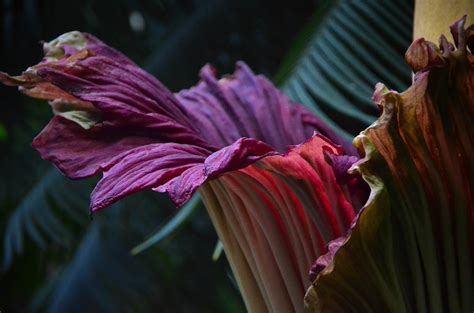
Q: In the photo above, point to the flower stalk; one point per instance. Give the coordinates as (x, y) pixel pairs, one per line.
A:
(275, 218)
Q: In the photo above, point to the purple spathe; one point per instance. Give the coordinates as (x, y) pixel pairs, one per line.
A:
(148, 137)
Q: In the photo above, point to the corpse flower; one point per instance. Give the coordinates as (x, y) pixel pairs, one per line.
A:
(272, 176)
(412, 247)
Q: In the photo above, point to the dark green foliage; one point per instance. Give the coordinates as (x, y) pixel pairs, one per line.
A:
(354, 46)
(36, 216)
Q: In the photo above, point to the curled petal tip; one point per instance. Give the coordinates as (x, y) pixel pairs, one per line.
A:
(423, 54)
(207, 71)
(65, 45)
(380, 91)
(340, 164)
(457, 30)
(9, 80)
(445, 46)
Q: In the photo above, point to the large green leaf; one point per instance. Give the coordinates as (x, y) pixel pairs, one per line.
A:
(348, 50)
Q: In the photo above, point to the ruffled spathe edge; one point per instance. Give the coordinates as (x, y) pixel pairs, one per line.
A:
(411, 246)
(112, 117)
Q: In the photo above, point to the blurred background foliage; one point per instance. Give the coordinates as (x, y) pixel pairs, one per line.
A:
(325, 54)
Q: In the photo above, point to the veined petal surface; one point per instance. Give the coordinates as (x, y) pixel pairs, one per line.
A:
(275, 218)
(115, 118)
(412, 247)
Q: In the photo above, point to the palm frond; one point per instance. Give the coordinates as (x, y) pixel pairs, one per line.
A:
(103, 272)
(355, 45)
(103, 276)
(43, 212)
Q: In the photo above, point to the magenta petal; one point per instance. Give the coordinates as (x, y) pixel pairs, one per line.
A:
(358, 190)
(341, 165)
(178, 169)
(114, 88)
(79, 153)
(148, 166)
(247, 105)
(117, 119)
(243, 152)
(100, 48)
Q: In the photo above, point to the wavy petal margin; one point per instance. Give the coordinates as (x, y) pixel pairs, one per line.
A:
(275, 218)
(412, 247)
(114, 118)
